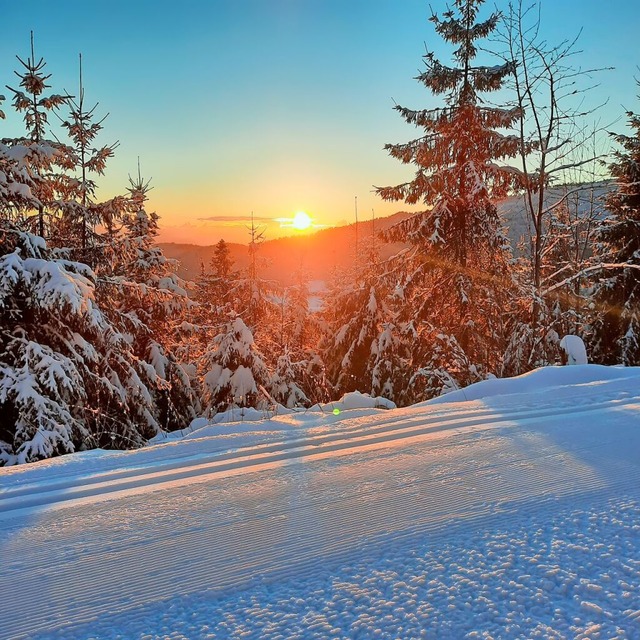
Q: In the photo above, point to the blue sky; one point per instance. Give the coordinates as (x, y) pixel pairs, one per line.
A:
(271, 105)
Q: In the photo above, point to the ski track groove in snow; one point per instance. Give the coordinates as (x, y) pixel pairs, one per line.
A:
(146, 480)
(295, 507)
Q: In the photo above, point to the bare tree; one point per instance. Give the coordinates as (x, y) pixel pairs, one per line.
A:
(558, 140)
(560, 160)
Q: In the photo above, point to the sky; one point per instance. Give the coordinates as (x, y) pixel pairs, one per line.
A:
(271, 106)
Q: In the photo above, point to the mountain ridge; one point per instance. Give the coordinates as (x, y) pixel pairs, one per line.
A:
(324, 251)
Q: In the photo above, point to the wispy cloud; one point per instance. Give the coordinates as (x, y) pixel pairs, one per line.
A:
(236, 219)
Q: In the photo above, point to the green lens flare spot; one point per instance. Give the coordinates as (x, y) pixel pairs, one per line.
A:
(336, 412)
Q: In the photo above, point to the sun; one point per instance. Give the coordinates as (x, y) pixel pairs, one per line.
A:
(301, 221)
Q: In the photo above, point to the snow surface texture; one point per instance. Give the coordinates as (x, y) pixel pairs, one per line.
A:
(512, 515)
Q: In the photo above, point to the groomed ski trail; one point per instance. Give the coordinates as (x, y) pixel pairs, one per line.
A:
(85, 547)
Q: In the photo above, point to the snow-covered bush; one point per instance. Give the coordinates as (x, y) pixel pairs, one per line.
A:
(574, 350)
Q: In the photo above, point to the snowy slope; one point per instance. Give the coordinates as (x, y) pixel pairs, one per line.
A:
(511, 512)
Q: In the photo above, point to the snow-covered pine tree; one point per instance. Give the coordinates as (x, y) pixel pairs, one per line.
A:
(68, 378)
(458, 271)
(42, 158)
(244, 292)
(285, 382)
(617, 293)
(359, 324)
(75, 228)
(251, 292)
(151, 303)
(215, 285)
(240, 311)
(391, 357)
(255, 300)
(299, 374)
(233, 370)
(213, 294)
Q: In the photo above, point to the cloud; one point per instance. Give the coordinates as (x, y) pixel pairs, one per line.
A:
(236, 219)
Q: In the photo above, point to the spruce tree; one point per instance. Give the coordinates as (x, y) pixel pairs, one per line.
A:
(355, 319)
(80, 212)
(617, 296)
(456, 274)
(363, 344)
(215, 285)
(45, 157)
(69, 379)
(299, 374)
(233, 370)
(151, 304)
(221, 260)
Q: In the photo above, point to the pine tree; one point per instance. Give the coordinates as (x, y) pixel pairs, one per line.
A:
(299, 374)
(45, 157)
(151, 304)
(215, 285)
(284, 385)
(617, 296)
(79, 212)
(89, 357)
(360, 345)
(233, 370)
(391, 359)
(68, 378)
(355, 321)
(456, 274)
(253, 299)
(221, 261)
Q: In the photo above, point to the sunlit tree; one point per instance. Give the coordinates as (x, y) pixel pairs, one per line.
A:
(80, 213)
(45, 160)
(457, 274)
(150, 303)
(233, 370)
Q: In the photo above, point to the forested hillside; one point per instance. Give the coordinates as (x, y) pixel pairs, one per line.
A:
(323, 252)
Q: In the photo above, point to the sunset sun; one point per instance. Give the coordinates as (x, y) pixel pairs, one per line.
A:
(301, 221)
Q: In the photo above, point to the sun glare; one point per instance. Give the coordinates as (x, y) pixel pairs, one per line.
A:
(301, 221)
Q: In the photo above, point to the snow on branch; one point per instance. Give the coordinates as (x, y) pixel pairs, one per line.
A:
(592, 269)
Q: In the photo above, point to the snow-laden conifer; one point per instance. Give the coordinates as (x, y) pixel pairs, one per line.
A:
(617, 294)
(284, 387)
(233, 370)
(458, 269)
(44, 160)
(79, 212)
(152, 302)
(214, 289)
(298, 370)
(68, 377)
(360, 346)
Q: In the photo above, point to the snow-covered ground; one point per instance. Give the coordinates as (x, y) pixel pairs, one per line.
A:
(510, 509)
